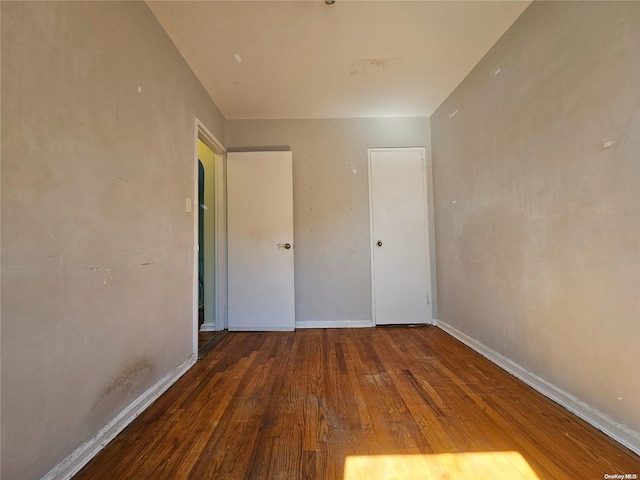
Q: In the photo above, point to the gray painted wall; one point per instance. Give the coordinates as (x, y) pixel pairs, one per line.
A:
(538, 226)
(331, 203)
(98, 144)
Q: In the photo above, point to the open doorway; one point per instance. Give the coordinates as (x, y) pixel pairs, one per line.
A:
(206, 238)
(201, 207)
(210, 242)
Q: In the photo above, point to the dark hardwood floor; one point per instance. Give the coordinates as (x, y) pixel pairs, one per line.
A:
(203, 338)
(207, 342)
(383, 403)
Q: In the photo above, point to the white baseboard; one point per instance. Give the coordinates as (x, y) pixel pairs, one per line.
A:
(260, 329)
(618, 432)
(335, 324)
(85, 452)
(208, 327)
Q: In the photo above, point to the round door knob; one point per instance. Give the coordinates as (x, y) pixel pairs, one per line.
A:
(379, 243)
(287, 246)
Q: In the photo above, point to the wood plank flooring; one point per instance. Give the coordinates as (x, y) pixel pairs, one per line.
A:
(203, 338)
(208, 340)
(382, 403)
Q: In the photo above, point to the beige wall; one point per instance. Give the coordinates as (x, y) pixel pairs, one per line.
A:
(331, 204)
(538, 226)
(98, 145)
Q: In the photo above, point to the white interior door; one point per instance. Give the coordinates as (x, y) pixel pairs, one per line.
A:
(399, 234)
(260, 245)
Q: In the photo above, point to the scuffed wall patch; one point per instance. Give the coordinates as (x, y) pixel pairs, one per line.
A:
(366, 64)
(129, 379)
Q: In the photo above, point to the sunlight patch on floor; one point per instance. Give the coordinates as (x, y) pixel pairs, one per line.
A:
(458, 466)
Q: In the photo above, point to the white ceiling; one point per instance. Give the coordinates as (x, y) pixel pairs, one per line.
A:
(306, 59)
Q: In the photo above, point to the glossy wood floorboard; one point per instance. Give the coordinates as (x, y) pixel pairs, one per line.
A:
(204, 337)
(383, 403)
(207, 342)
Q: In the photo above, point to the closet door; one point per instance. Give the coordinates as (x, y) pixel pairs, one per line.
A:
(400, 240)
(260, 242)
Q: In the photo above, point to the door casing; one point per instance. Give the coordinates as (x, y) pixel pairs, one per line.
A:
(203, 133)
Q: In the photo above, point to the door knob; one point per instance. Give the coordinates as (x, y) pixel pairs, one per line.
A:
(287, 246)
(379, 243)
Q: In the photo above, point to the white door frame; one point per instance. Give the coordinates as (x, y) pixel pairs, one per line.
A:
(430, 273)
(205, 135)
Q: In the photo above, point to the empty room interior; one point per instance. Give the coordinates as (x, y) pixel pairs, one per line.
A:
(320, 239)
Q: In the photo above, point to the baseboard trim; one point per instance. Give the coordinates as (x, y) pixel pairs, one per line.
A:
(260, 329)
(335, 324)
(208, 327)
(599, 420)
(81, 456)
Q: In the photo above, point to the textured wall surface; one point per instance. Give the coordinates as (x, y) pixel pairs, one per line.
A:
(97, 250)
(537, 220)
(331, 204)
